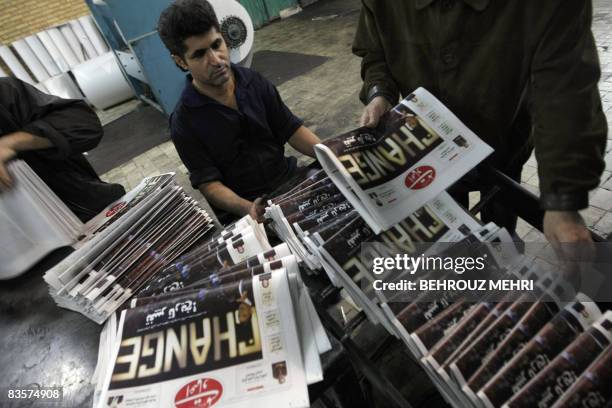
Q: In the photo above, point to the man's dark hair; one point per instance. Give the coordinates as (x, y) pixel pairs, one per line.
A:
(184, 19)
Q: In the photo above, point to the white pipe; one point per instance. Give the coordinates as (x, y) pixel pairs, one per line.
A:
(55, 53)
(102, 81)
(80, 34)
(73, 42)
(41, 52)
(13, 63)
(63, 46)
(94, 35)
(31, 61)
(63, 86)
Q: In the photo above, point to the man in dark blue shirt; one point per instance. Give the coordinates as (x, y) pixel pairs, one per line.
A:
(230, 124)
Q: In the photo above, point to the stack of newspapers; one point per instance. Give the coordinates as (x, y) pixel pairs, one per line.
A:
(121, 249)
(521, 353)
(243, 241)
(515, 348)
(314, 204)
(227, 324)
(33, 222)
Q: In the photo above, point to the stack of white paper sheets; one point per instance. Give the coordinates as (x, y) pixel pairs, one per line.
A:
(123, 247)
(33, 222)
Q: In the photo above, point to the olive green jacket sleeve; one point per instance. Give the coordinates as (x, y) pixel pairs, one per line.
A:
(569, 125)
(545, 48)
(377, 79)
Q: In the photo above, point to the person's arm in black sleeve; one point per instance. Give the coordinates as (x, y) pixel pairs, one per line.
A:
(569, 124)
(379, 91)
(279, 117)
(11, 145)
(70, 124)
(43, 122)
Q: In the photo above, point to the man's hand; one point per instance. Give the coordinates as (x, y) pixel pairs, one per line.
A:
(218, 195)
(6, 153)
(374, 110)
(257, 210)
(15, 142)
(571, 239)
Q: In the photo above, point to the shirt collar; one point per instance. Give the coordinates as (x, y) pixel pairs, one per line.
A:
(478, 5)
(192, 98)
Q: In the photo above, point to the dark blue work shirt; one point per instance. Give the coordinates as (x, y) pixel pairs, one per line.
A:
(244, 148)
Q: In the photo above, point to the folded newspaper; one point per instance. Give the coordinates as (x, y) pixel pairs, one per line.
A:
(305, 208)
(236, 346)
(121, 249)
(208, 266)
(419, 150)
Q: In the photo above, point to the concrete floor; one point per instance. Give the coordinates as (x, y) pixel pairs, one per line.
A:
(326, 97)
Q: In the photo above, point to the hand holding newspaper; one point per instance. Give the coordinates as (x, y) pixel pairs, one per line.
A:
(419, 149)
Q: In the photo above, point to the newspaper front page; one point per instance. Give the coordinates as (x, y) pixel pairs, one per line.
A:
(236, 346)
(419, 149)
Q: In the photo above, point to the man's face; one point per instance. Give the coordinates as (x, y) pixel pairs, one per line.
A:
(207, 58)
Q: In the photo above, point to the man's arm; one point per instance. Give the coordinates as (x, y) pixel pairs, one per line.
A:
(379, 91)
(569, 124)
(220, 196)
(13, 143)
(303, 140)
(70, 125)
(204, 174)
(39, 121)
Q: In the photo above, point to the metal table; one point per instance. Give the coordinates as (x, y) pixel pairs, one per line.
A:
(42, 344)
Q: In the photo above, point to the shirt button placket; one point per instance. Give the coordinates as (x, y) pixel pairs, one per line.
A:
(448, 56)
(449, 59)
(447, 5)
(449, 62)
